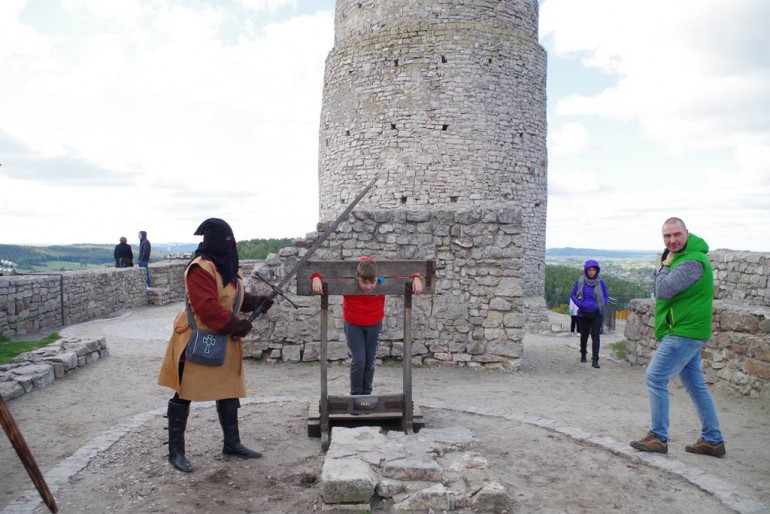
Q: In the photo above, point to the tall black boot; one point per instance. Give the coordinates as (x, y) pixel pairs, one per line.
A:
(228, 418)
(595, 362)
(177, 423)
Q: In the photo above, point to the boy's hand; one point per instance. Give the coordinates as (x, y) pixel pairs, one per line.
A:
(318, 285)
(416, 285)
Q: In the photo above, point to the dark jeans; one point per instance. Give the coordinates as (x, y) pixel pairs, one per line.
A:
(573, 324)
(362, 343)
(592, 326)
(146, 266)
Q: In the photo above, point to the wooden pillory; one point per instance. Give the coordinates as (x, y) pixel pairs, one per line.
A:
(339, 278)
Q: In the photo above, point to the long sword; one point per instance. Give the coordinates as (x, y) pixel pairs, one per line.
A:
(20, 445)
(318, 242)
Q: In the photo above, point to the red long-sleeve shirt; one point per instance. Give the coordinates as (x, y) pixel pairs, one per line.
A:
(362, 310)
(202, 290)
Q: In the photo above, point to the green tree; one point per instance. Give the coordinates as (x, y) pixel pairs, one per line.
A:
(260, 248)
(559, 281)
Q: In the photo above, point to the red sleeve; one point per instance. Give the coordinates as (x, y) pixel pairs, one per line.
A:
(202, 288)
(314, 275)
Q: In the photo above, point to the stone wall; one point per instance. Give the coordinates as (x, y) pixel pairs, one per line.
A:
(33, 303)
(741, 276)
(476, 318)
(738, 352)
(37, 369)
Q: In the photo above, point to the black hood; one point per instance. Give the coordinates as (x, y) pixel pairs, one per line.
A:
(218, 246)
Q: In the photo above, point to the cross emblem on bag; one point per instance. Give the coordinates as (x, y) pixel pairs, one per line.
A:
(209, 341)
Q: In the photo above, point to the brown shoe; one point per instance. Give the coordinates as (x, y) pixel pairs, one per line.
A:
(705, 448)
(650, 443)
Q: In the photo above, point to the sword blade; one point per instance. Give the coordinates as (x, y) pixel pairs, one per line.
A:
(315, 246)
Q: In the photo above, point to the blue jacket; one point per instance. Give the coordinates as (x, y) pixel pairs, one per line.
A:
(589, 302)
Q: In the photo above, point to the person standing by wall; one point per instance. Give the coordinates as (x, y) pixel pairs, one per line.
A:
(590, 295)
(684, 295)
(212, 286)
(144, 253)
(124, 256)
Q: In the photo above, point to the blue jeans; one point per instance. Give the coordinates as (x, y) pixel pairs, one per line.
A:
(680, 356)
(362, 343)
(146, 266)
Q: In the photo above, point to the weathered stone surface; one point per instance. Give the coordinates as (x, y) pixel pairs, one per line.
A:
(492, 497)
(39, 368)
(347, 480)
(422, 468)
(436, 497)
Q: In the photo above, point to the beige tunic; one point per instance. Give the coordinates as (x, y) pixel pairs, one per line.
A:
(204, 383)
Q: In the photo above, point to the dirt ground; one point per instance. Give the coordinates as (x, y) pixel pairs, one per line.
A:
(543, 470)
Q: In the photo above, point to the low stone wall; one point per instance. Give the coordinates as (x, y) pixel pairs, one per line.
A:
(741, 276)
(37, 369)
(30, 304)
(738, 353)
(476, 318)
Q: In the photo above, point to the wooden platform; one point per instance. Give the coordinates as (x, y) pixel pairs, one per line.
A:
(387, 418)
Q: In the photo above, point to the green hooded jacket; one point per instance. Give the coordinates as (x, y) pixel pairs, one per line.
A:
(688, 313)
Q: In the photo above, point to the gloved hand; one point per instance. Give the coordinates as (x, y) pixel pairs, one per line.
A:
(251, 302)
(237, 327)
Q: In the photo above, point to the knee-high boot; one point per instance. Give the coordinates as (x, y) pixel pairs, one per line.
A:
(228, 418)
(177, 423)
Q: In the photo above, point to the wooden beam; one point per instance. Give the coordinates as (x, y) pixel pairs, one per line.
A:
(340, 276)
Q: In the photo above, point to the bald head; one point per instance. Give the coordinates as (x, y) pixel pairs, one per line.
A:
(675, 234)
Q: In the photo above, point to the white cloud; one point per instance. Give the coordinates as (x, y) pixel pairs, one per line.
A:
(675, 64)
(571, 138)
(267, 5)
(183, 119)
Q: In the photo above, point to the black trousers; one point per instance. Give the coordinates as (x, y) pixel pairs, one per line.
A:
(592, 327)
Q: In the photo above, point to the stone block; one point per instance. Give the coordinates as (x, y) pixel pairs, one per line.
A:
(417, 468)
(11, 389)
(490, 498)
(434, 498)
(757, 369)
(347, 480)
(291, 353)
(505, 347)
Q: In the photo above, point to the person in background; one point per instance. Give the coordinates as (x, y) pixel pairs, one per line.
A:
(144, 253)
(363, 315)
(124, 256)
(212, 284)
(590, 295)
(573, 318)
(684, 294)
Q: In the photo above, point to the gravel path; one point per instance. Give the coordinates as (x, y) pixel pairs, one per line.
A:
(556, 433)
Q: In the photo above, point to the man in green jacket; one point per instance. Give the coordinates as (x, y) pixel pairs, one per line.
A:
(684, 292)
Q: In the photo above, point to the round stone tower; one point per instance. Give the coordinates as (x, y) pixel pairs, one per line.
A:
(445, 100)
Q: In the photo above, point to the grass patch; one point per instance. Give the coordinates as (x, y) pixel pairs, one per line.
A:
(9, 350)
(619, 349)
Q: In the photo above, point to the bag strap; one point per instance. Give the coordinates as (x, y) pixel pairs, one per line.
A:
(191, 319)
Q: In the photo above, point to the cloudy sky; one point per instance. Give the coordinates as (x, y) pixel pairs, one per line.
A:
(120, 116)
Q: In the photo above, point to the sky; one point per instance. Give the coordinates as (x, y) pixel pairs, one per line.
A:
(120, 116)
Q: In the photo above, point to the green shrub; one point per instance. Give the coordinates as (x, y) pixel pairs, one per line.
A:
(9, 350)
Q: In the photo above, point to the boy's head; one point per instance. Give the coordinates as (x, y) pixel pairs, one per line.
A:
(366, 272)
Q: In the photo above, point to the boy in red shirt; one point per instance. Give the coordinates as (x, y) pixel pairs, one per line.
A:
(363, 315)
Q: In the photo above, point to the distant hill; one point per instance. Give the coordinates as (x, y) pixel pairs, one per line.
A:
(46, 259)
(595, 253)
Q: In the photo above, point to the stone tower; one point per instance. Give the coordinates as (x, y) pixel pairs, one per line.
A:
(445, 100)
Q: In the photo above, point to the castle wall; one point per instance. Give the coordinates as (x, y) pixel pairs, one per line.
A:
(445, 101)
(476, 317)
(738, 352)
(33, 303)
